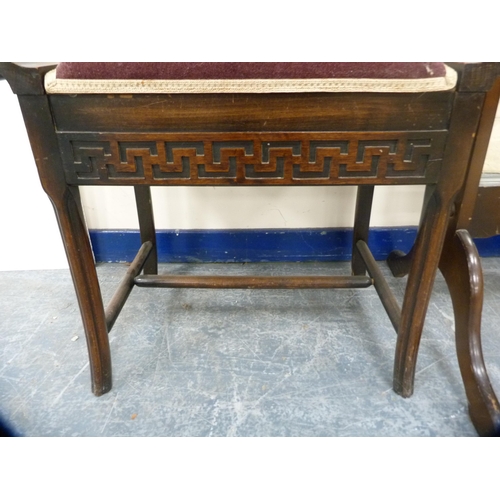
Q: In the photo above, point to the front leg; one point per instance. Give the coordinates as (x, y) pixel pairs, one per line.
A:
(82, 266)
(424, 264)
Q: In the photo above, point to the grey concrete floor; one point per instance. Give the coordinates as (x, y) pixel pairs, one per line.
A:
(232, 362)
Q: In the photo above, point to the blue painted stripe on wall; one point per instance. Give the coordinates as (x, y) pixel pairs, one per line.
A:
(488, 247)
(252, 245)
(258, 245)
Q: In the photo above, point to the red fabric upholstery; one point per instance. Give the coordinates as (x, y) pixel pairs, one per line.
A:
(249, 70)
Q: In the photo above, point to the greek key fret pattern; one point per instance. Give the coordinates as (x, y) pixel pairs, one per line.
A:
(252, 158)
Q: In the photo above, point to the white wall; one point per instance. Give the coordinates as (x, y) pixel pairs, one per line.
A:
(30, 238)
(250, 207)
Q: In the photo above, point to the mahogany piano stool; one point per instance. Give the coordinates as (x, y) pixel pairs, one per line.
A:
(279, 124)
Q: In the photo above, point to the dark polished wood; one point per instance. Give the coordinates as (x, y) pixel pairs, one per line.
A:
(435, 139)
(66, 202)
(364, 200)
(476, 77)
(127, 284)
(25, 79)
(252, 158)
(388, 299)
(475, 208)
(147, 226)
(461, 268)
(430, 239)
(265, 282)
(252, 112)
(399, 262)
(466, 200)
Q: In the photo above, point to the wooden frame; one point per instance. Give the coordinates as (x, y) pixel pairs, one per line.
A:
(274, 139)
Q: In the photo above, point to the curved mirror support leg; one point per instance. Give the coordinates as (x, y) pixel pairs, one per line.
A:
(462, 271)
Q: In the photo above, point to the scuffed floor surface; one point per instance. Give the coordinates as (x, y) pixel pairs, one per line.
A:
(232, 362)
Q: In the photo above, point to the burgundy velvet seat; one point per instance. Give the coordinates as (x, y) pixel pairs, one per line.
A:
(205, 77)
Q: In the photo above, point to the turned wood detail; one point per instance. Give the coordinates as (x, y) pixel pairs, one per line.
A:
(247, 158)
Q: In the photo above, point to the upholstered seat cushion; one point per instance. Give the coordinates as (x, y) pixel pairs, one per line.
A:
(170, 77)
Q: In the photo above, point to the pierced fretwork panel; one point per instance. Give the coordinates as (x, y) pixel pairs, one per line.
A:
(253, 158)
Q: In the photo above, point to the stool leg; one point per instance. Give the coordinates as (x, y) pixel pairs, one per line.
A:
(461, 268)
(147, 226)
(81, 262)
(68, 208)
(426, 255)
(361, 229)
